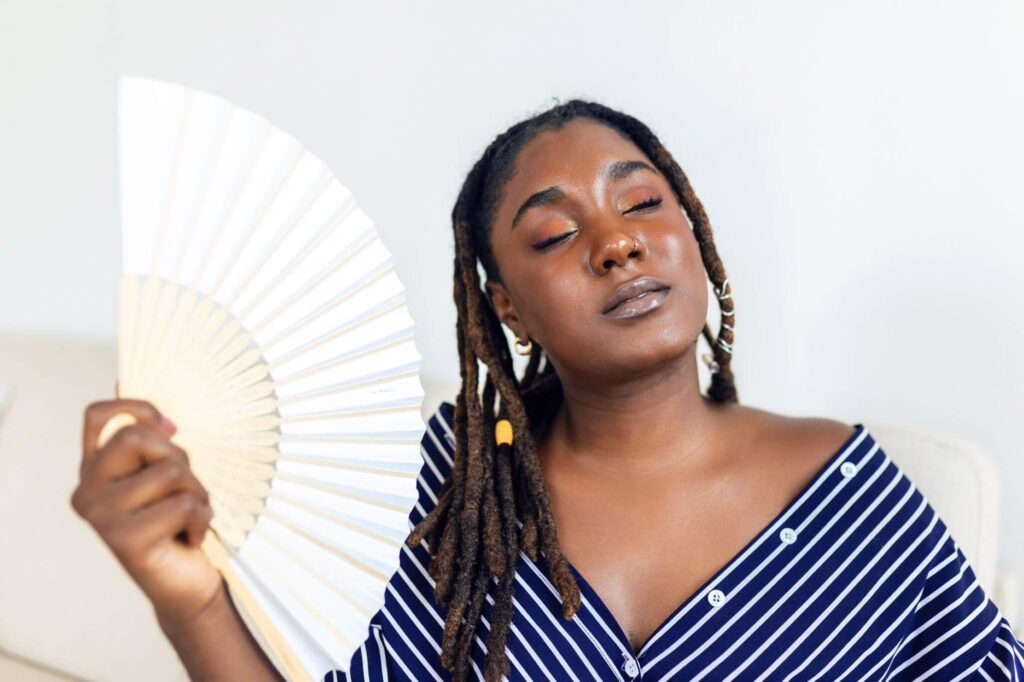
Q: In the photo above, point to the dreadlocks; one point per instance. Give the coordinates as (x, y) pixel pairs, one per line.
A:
(493, 504)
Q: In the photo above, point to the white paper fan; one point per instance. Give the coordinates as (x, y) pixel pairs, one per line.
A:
(260, 311)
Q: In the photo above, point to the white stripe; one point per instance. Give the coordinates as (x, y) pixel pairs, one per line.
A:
(944, 637)
(912, 607)
(998, 664)
(910, 572)
(1017, 645)
(941, 565)
(441, 447)
(438, 618)
(961, 650)
(405, 638)
(397, 659)
(851, 556)
(949, 607)
(540, 633)
(769, 533)
(955, 580)
(836, 517)
(575, 619)
(448, 429)
(561, 630)
(381, 643)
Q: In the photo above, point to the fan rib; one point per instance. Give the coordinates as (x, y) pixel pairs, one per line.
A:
(391, 437)
(402, 372)
(403, 404)
(242, 243)
(364, 565)
(215, 162)
(383, 468)
(301, 600)
(355, 603)
(309, 444)
(382, 343)
(271, 636)
(172, 183)
(339, 217)
(361, 242)
(313, 195)
(365, 317)
(229, 211)
(348, 292)
(374, 498)
(358, 525)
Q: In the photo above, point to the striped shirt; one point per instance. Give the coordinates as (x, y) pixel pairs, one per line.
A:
(857, 578)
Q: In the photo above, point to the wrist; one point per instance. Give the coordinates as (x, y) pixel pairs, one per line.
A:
(207, 616)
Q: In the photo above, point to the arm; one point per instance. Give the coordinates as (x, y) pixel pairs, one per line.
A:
(217, 645)
(140, 495)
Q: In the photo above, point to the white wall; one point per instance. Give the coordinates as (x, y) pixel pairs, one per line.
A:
(861, 163)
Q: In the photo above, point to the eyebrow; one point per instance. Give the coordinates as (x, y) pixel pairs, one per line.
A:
(613, 172)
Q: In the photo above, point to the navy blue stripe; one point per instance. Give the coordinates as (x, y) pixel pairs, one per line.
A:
(857, 577)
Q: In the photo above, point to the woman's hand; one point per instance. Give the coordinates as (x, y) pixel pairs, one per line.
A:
(141, 496)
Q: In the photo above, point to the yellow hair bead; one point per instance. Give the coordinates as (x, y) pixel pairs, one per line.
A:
(503, 432)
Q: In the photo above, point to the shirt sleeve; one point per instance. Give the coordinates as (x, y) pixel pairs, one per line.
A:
(955, 631)
(397, 637)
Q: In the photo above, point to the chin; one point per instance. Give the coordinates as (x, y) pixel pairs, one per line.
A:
(654, 349)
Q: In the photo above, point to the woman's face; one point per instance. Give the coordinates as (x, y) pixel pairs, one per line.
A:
(591, 194)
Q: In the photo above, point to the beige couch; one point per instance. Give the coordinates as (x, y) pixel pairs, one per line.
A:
(66, 603)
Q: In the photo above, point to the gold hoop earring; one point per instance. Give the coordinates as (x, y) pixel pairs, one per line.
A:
(526, 348)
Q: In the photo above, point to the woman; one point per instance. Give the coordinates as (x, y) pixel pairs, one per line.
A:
(717, 541)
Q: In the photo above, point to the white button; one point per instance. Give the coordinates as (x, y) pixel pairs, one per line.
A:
(716, 597)
(848, 469)
(788, 536)
(631, 668)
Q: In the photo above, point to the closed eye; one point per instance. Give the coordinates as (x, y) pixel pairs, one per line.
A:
(646, 203)
(540, 246)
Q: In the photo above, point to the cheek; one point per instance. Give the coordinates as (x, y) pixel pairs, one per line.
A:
(676, 253)
(558, 306)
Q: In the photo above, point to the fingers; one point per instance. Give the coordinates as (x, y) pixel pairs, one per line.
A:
(131, 449)
(165, 519)
(99, 413)
(153, 483)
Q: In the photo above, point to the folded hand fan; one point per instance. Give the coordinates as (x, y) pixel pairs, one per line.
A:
(259, 310)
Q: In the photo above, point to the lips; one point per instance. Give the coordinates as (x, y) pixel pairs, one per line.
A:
(632, 289)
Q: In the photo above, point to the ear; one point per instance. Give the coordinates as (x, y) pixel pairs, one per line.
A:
(501, 303)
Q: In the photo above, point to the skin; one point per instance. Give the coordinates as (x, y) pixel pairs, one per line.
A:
(653, 486)
(140, 495)
(640, 468)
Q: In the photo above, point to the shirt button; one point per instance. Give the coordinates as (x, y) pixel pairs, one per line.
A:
(716, 597)
(631, 668)
(788, 536)
(848, 469)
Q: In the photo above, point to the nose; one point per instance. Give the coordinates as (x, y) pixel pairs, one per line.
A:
(616, 248)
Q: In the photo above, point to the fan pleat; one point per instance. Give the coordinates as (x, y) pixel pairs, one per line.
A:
(260, 310)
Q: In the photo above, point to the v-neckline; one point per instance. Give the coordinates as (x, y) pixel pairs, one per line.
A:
(587, 590)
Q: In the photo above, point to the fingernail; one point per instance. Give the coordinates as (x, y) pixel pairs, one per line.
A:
(168, 425)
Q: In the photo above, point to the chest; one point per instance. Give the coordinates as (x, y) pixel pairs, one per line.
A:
(646, 558)
(649, 548)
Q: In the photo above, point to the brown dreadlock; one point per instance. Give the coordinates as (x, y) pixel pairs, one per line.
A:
(494, 502)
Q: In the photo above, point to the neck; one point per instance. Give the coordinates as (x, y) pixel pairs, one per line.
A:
(646, 424)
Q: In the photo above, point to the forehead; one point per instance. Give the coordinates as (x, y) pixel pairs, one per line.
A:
(576, 152)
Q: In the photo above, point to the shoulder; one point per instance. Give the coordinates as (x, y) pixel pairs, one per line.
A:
(799, 437)
(790, 450)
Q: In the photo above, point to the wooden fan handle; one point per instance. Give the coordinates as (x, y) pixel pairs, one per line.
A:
(113, 425)
(270, 638)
